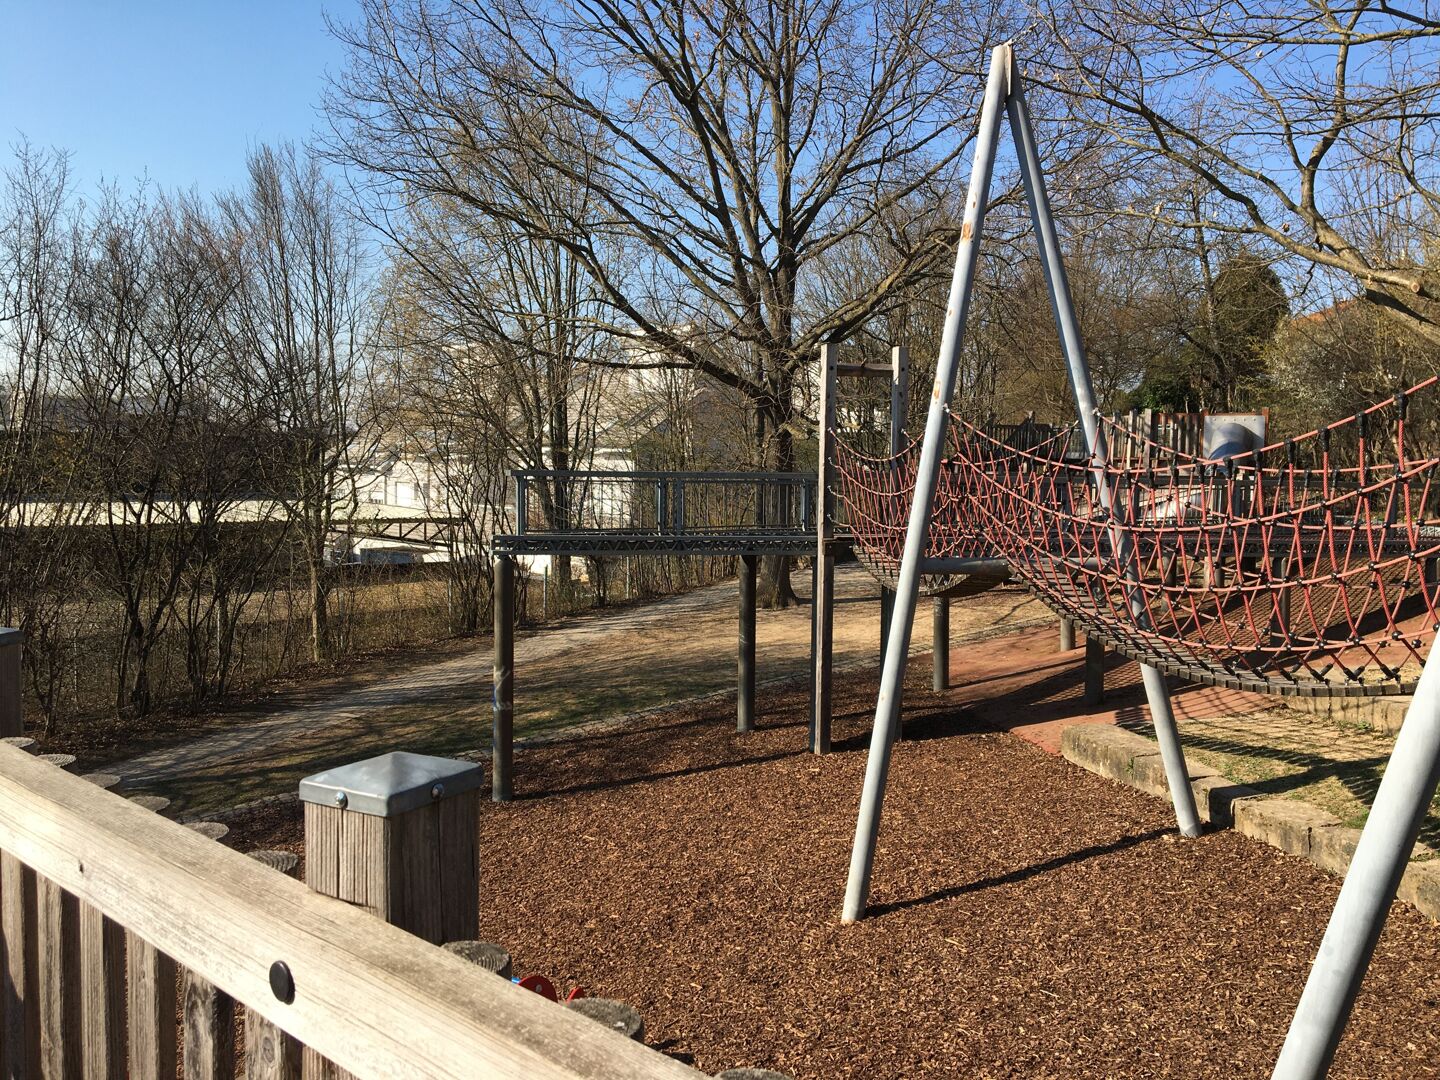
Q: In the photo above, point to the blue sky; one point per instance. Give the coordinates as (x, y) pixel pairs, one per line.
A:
(173, 91)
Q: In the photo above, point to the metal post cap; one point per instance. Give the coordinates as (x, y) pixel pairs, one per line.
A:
(391, 784)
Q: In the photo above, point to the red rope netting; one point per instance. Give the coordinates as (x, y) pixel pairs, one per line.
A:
(1306, 567)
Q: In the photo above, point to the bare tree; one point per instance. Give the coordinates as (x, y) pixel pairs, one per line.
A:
(728, 146)
(301, 319)
(506, 333)
(1310, 128)
(42, 564)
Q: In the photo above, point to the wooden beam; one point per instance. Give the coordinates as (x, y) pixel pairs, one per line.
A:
(745, 694)
(823, 649)
(12, 721)
(370, 997)
(502, 735)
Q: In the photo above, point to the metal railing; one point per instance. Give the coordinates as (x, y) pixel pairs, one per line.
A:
(549, 501)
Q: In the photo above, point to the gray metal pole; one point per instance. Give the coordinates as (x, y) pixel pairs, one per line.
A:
(899, 404)
(745, 697)
(887, 707)
(1157, 694)
(940, 645)
(502, 736)
(1067, 634)
(1386, 842)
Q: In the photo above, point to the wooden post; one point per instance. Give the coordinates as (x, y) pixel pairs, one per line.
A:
(887, 612)
(1280, 615)
(209, 1019)
(1067, 634)
(207, 1013)
(11, 720)
(745, 697)
(1094, 670)
(271, 1054)
(58, 931)
(399, 836)
(940, 645)
(102, 976)
(502, 738)
(153, 1044)
(899, 396)
(20, 1038)
(824, 598)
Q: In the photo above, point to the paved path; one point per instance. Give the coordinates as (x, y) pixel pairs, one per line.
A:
(420, 684)
(641, 629)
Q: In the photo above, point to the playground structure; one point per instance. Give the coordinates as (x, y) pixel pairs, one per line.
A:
(742, 514)
(1306, 567)
(1315, 562)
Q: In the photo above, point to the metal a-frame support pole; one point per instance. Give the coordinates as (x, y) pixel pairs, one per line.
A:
(823, 594)
(1157, 694)
(899, 405)
(1401, 803)
(1002, 93)
(907, 589)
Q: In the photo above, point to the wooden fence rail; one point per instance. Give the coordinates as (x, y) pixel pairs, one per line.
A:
(86, 874)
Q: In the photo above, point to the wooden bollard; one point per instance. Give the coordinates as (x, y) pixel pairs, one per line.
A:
(271, 1054)
(103, 780)
(154, 803)
(615, 1015)
(20, 742)
(397, 835)
(483, 954)
(12, 720)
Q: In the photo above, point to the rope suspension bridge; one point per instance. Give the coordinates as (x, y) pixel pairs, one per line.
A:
(1306, 567)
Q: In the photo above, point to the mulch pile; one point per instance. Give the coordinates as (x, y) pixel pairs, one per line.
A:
(1030, 919)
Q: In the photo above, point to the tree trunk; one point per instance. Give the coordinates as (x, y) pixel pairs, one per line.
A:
(773, 588)
(319, 610)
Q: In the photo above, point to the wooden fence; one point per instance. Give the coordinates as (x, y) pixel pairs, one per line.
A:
(106, 907)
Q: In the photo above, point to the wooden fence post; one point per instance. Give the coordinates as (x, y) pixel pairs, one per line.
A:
(152, 1032)
(11, 720)
(271, 1054)
(398, 835)
(207, 1012)
(102, 979)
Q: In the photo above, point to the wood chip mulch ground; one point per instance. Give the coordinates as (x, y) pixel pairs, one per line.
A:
(1030, 919)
